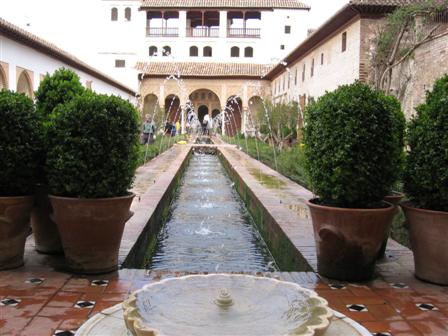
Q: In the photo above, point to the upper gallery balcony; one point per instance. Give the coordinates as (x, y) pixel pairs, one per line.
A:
(203, 24)
(162, 24)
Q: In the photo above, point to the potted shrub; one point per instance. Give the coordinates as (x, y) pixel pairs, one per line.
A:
(59, 88)
(350, 144)
(426, 185)
(394, 197)
(19, 145)
(91, 162)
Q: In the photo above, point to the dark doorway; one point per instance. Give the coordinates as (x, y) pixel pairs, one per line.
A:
(202, 111)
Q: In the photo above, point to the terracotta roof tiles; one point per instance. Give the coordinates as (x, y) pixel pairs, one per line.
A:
(24, 37)
(289, 4)
(201, 69)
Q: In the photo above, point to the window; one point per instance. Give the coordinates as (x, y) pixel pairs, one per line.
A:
(152, 51)
(303, 72)
(127, 14)
(166, 51)
(114, 14)
(194, 52)
(312, 67)
(282, 47)
(249, 52)
(287, 29)
(89, 84)
(235, 52)
(322, 59)
(207, 52)
(295, 77)
(344, 41)
(120, 63)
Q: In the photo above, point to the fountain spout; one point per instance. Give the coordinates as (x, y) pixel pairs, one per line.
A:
(224, 300)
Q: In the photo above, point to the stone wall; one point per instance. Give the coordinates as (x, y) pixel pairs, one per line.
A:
(416, 76)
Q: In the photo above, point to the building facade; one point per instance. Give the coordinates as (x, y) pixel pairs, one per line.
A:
(25, 59)
(201, 55)
(339, 53)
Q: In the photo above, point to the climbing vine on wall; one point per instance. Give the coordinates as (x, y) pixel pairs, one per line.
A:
(404, 31)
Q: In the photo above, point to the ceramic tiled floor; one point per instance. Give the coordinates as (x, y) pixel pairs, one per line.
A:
(49, 307)
(37, 300)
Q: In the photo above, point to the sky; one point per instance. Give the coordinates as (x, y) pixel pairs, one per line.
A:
(69, 23)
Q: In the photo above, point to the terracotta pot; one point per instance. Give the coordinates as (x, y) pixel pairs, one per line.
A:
(46, 234)
(394, 198)
(429, 231)
(348, 240)
(14, 228)
(91, 231)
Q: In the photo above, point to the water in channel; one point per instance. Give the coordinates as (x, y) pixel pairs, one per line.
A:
(209, 229)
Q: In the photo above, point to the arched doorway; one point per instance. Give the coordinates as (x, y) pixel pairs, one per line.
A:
(202, 111)
(204, 97)
(3, 82)
(24, 84)
(172, 108)
(233, 113)
(151, 107)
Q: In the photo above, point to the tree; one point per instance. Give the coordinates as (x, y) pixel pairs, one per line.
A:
(278, 121)
(405, 30)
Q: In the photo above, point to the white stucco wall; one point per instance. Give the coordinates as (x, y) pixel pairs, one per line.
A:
(130, 37)
(17, 55)
(337, 69)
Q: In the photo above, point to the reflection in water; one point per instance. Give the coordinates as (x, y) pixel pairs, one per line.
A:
(210, 229)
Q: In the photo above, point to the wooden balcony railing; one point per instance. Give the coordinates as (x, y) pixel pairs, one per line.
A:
(243, 32)
(202, 32)
(162, 32)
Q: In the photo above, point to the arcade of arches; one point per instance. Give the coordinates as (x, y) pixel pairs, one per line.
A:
(171, 100)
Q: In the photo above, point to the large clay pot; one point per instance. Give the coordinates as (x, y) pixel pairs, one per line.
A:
(46, 234)
(348, 240)
(91, 231)
(394, 198)
(14, 228)
(429, 232)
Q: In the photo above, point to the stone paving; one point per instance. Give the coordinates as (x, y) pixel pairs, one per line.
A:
(39, 299)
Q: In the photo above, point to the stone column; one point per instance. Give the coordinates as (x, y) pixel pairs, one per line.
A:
(182, 23)
(223, 126)
(222, 24)
(183, 106)
(244, 120)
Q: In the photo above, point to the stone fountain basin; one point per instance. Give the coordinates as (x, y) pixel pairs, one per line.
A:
(191, 305)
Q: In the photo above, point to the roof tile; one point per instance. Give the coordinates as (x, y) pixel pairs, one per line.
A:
(201, 69)
(22, 36)
(291, 4)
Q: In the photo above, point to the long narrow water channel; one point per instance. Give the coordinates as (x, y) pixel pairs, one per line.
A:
(209, 229)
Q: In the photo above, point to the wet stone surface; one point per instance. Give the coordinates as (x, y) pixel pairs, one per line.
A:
(209, 229)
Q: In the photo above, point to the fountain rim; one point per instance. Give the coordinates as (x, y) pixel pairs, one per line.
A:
(134, 321)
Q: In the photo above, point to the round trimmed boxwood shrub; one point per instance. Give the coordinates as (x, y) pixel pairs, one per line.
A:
(93, 152)
(426, 171)
(60, 87)
(19, 144)
(352, 141)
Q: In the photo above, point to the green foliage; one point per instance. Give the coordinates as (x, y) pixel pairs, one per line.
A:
(351, 144)
(19, 144)
(280, 119)
(94, 149)
(160, 145)
(62, 86)
(290, 160)
(426, 172)
(398, 133)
